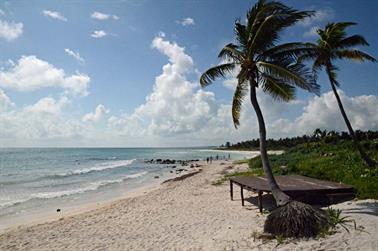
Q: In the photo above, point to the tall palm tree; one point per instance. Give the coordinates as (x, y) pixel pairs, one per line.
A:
(333, 43)
(261, 63)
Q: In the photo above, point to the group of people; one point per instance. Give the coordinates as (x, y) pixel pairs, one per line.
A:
(217, 157)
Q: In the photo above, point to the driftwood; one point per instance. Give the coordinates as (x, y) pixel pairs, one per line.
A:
(182, 177)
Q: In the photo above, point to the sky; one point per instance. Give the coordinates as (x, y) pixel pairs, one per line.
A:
(126, 74)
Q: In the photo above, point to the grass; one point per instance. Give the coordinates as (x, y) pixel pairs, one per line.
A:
(334, 161)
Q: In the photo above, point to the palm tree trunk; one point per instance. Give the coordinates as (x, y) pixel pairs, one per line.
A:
(280, 197)
(357, 145)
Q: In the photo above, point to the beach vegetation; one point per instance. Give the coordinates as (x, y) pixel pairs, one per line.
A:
(328, 160)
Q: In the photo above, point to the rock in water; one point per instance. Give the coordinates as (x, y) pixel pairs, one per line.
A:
(58, 210)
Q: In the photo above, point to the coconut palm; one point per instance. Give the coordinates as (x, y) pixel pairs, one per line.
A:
(261, 63)
(333, 43)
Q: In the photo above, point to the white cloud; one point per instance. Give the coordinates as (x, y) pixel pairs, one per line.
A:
(42, 123)
(99, 16)
(323, 112)
(5, 102)
(54, 15)
(97, 115)
(48, 105)
(10, 31)
(98, 34)
(103, 16)
(31, 73)
(175, 113)
(312, 32)
(75, 55)
(175, 106)
(321, 15)
(186, 21)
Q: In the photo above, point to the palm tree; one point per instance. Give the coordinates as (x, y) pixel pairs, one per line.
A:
(273, 68)
(332, 44)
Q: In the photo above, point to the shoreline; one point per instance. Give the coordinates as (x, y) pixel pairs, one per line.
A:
(85, 207)
(247, 153)
(189, 214)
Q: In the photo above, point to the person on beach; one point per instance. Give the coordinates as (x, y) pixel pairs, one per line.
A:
(211, 159)
(207, 160)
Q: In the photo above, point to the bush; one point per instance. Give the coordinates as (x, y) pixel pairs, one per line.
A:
(335, 162)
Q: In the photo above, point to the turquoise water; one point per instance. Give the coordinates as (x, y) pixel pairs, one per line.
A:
(35, 178)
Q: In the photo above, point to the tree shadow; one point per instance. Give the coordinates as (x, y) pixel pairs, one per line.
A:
(268, 201)
(366, 207)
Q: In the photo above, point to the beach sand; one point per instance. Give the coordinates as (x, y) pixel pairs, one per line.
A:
(191, 214)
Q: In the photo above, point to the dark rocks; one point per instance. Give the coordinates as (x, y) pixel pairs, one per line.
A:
(156, 177)
(58, 210)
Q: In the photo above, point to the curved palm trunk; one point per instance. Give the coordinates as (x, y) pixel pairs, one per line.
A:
(357, 145)
(280, 197)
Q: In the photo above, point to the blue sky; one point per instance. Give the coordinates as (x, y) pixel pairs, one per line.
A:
(61, 60)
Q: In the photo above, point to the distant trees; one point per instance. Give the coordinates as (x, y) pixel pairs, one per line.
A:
(318, 134)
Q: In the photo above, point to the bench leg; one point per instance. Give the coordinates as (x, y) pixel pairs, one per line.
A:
(242, 195)
(231, 190)
(260, 201)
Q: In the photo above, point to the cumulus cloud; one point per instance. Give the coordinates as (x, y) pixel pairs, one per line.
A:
(31, 73)
(97, 115)
(321, 15)
(175, 113)
(10, 31)
(103, 16)
(75, 55)
(186, 21)
(42, 123)
(5, 102)
(54, 15)
(98, 34)
(175, 106)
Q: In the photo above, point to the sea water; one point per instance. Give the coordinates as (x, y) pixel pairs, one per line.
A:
(35, 180)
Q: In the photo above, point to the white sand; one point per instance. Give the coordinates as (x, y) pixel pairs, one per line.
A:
(191, 214)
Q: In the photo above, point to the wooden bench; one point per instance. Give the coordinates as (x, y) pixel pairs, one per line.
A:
(305, 189)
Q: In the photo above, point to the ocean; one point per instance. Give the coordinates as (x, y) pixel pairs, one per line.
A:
(41, 180)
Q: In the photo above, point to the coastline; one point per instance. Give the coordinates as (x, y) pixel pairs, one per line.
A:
(246, 153)
(189, 214)
(85, 207)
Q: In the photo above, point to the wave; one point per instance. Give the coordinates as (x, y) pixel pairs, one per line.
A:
(99, 167)
(107, 158)
(96, 168)
(57, 194)
(92, 187)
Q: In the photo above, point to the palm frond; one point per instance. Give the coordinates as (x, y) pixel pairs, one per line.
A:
(268, 31)
(356, 55)
(352, 41)
(277, 89)
(280, 72)
(241, 34)
(292, 51)
(240, 92)
(217, 71)
(231, 52)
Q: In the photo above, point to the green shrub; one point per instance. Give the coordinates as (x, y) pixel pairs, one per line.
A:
(338, 162)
